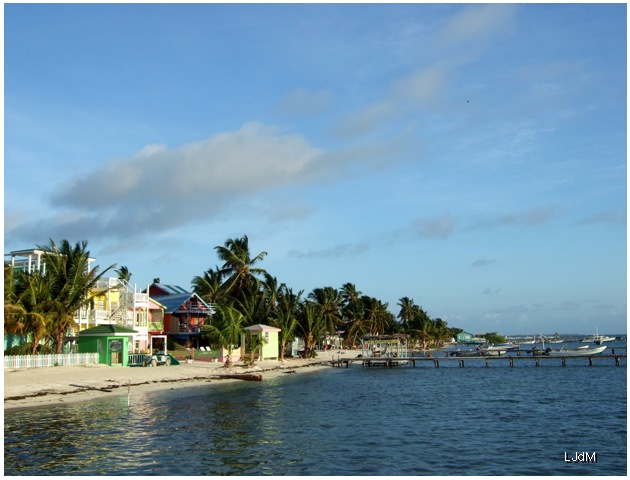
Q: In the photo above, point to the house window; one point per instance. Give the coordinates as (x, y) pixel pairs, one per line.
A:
(266, 337)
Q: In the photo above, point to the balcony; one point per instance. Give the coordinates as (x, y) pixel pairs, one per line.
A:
(99, 317)
(184, 328)
(105, 283)
(156, 326)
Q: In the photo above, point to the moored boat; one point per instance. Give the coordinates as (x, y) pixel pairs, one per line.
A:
(466, 353)
(499, 349)
(598, 339)
(603, 339)
(584, 351)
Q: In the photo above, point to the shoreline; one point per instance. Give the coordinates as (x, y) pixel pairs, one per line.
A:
(51, 386)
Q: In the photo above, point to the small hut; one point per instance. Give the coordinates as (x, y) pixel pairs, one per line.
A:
(268, 337)
(111, 342)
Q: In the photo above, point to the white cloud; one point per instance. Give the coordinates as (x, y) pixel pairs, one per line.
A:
(424, 86)
(159, 188)
(337, 251)
(304, 102)
(527, 218)
(476, 23)
(252, 158)
(439, 227)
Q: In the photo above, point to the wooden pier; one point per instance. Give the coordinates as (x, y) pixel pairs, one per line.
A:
(390, 362)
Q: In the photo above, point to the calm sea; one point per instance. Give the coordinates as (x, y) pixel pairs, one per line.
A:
(402, 421)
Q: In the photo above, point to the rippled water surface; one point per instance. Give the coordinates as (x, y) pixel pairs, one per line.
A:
(402, 421)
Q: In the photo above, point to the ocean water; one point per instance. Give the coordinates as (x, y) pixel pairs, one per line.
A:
(356, 421)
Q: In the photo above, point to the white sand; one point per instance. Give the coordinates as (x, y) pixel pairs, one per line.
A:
(34, 387)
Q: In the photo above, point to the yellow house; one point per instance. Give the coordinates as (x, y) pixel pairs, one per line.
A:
(268, 337)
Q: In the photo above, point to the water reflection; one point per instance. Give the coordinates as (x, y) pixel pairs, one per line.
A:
(337, 422)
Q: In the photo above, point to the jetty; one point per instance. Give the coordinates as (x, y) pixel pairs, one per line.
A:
(390, 362)
(388, 351)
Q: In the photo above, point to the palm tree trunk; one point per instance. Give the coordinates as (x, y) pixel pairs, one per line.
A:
(59, 338)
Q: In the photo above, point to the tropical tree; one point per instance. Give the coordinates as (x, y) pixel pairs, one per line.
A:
(13, 311)
(209, 286)
(285, 316)
(70, 280)
(227, 329)
(494, 337)
(310, 326)
(408, 309)
(350, 294)
(440, 330)
(124, 274)
(238, 266)
(420, 327)
(270, 290)
(379, 319)
(32, 293)
(253, 307)
(330, 301)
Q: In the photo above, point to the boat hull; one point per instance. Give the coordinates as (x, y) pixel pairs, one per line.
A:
(576, 352)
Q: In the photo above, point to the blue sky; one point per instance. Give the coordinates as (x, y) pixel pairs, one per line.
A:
(470, 157)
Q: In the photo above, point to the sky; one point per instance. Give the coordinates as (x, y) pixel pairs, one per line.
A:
(471, 157)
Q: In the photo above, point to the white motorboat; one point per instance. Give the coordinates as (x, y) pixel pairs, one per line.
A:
(598, 339)
(584, 351)
(499, 349)
(603, 339)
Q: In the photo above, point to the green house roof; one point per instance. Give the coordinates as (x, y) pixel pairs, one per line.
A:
(108, 330)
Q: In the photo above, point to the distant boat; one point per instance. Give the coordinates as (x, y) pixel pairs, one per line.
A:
(556, 339)
(603, 339)
(466, 353)
(583, 351)
(598, 339)
(499, 349)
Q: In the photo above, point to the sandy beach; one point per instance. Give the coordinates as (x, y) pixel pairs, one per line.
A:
(36, 387)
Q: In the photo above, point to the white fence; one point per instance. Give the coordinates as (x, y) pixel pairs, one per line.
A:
(35, 361)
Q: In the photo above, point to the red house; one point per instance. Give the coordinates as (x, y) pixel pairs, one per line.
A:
(184, 313)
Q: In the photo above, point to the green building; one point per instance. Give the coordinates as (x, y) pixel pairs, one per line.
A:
(111, 342)
(464, 337)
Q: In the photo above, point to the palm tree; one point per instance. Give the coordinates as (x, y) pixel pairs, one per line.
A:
(209, 286)
(285, 316)
(350, 294)
(379, 319)
(228, 329)
(253, 307)
(271, 291)
(420, 327)
(238, 266)
(70, 281)
(440, 331)
(329, 300)
(408, 310)
(32, 293)
(13, 311)
(310, 325)
(124, 274)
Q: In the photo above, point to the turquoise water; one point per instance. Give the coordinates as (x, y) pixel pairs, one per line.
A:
(402, 421)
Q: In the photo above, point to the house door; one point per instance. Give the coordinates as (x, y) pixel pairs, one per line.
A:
(116, 352)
